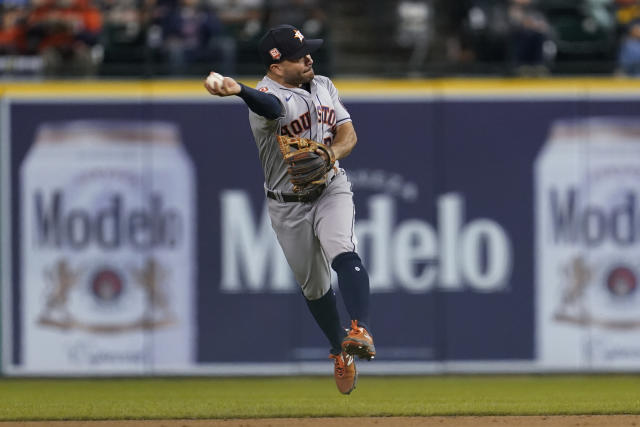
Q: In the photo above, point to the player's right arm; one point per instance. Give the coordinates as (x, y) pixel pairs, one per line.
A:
(263, 104)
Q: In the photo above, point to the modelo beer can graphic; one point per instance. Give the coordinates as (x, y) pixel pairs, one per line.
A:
(107, 249)
(587, 188)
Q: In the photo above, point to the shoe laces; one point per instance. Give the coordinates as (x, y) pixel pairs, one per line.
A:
(339, 363)
(355, 329)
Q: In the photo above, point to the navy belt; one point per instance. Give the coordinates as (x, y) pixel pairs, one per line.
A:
(309, 197)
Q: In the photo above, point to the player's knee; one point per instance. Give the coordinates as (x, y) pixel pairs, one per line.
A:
(347, 261)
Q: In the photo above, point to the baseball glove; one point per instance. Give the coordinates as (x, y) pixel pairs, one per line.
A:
(308, 161)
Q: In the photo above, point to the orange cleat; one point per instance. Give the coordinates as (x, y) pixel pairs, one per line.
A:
(359, 342)
(345, 372)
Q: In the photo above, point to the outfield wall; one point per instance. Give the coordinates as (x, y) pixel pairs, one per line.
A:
(498, 220)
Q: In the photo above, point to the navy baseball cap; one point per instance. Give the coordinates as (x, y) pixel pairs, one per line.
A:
(285, 42)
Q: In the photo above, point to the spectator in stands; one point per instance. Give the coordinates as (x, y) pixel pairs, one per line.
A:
(64, 32)
(484, 33)
(13, 31)
(241, 18)
(125, 34)
(192, 34)
(528, 34)
(601, 12)
(629, 55)
(414, 30)
(306, 15)
(243, 22)
(626, 12)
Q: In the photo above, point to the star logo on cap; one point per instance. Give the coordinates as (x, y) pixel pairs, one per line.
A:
(298, 35)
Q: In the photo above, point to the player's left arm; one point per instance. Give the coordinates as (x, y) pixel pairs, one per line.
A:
(344, 140)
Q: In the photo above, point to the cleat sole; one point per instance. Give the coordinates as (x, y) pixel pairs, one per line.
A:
(358, 350)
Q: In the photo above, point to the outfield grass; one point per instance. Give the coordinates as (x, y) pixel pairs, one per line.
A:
(193, 398)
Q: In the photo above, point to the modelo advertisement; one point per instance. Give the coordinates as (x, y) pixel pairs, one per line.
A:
(587, 244)
(106, 245)
(140, 241)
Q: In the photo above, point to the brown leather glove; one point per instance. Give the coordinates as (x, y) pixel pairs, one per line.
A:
(308, 161)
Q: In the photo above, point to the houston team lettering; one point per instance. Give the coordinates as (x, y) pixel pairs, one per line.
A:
(326, 115)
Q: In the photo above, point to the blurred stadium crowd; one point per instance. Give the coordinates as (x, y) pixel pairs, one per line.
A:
(148, 38)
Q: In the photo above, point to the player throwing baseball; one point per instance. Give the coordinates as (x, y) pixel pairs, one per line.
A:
(302, 130)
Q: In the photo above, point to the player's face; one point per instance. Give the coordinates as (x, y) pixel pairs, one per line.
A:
(297, 71)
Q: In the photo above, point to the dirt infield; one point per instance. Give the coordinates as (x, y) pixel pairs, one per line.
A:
(487, 421)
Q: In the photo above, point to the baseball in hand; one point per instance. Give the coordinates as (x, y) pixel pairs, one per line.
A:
(215, 78)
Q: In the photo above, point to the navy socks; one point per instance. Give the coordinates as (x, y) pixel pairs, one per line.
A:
(353, 280)
(325, 311)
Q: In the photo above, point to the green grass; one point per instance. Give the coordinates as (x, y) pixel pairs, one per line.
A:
(193, 398)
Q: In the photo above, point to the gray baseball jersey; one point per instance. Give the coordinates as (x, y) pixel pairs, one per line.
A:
(311, 234)
(312, 115)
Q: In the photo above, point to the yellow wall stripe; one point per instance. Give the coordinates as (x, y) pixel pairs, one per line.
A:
(405, 87)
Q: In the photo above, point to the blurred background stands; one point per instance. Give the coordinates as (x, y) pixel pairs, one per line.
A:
(386, 38)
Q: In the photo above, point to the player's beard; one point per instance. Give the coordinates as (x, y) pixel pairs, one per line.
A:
(308, 76)
(300, 79)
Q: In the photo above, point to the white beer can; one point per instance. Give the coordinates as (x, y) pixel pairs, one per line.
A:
(587, 252)
(107, 265)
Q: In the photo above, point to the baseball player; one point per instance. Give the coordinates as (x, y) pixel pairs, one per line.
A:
(314, 222)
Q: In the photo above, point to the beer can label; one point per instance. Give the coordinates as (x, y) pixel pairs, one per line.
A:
(107, 249)
(587, 180)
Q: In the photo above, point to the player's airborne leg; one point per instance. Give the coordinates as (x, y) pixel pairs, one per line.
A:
(353, 280)
(325, 313)
(334, 226)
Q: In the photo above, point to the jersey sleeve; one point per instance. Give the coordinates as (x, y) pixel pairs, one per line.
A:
(265, 104)
(266, 90)
(261, 124)
(342, 115)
